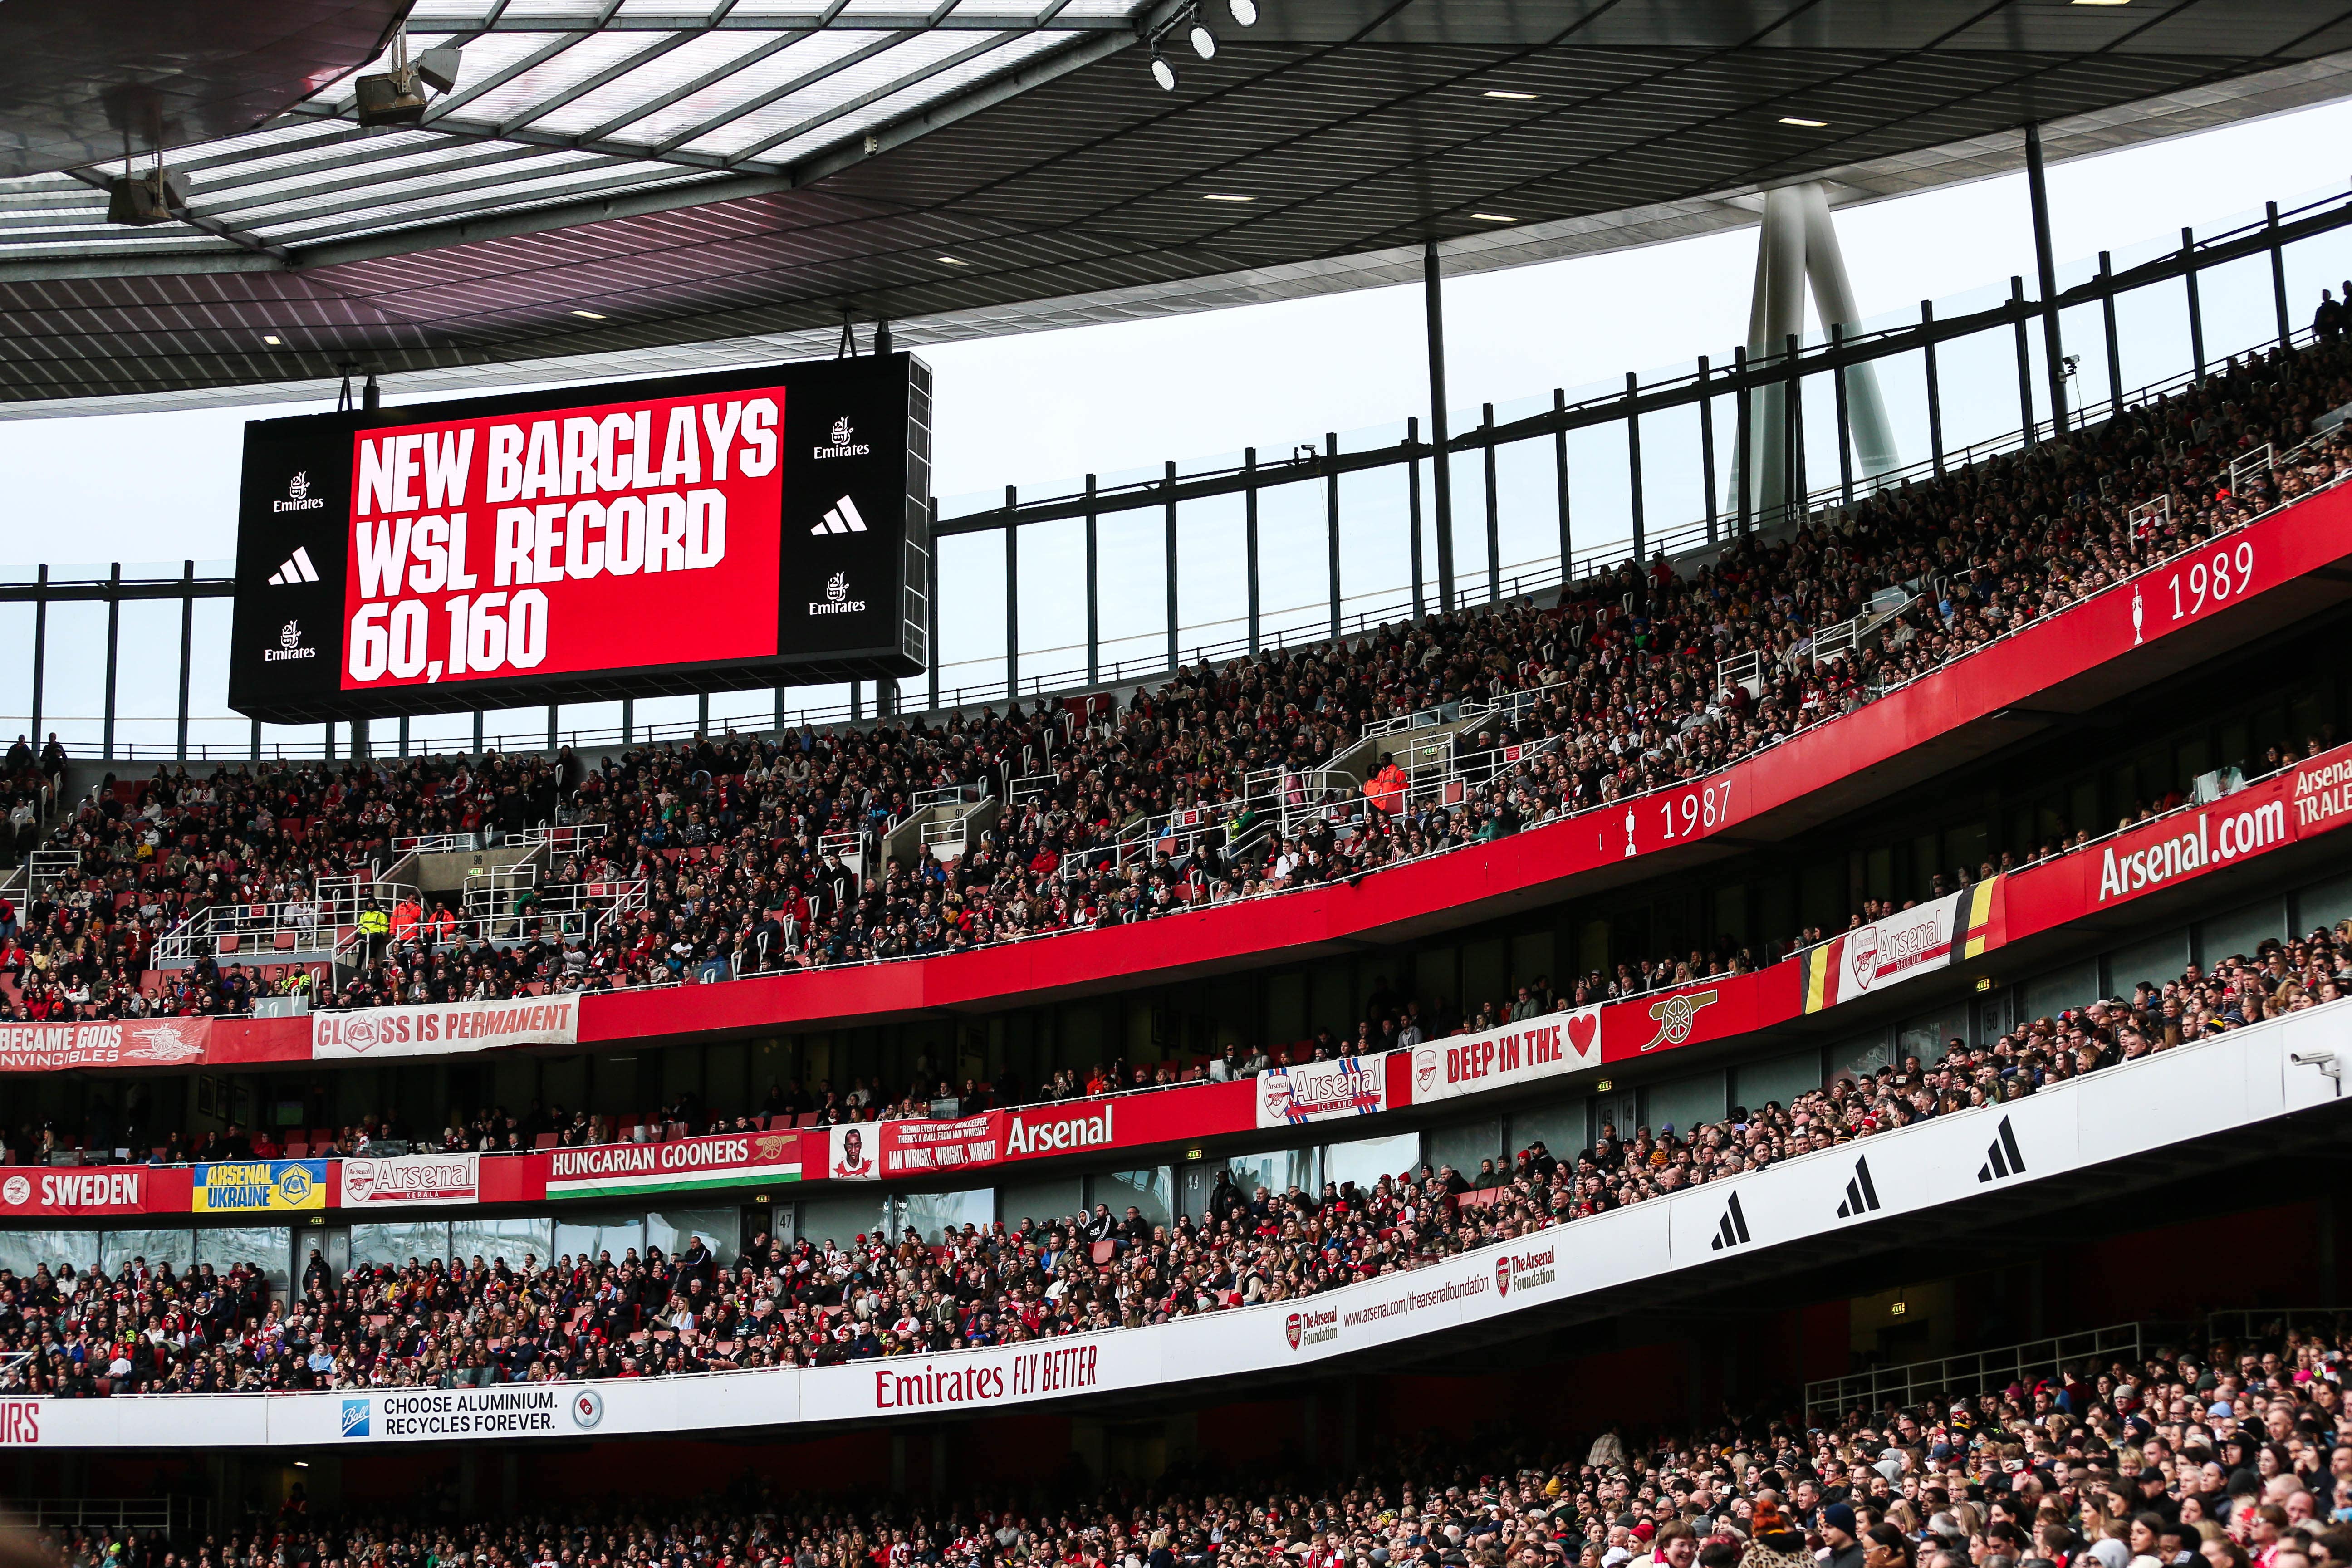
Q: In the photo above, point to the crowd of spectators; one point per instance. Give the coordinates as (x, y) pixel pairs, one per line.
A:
(1612, 690)
(166, 1327)
(2220, 1451)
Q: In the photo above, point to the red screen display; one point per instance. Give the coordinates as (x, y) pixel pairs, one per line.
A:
(644, 532)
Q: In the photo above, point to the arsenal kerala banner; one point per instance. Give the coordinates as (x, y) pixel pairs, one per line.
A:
(410, 1180)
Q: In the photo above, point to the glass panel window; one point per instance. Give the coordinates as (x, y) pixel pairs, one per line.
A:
(1465, 1145)
(932, 1215)
(269, 1248)
(120, 1250)
(674, 1230)
(840, 1218)
(400, 1243)
(1152, 1192)
(1051, 1199)
(592, 1236)
(1364, 1161)
(1277, 1170)
(512, 1240)
(21, 1251)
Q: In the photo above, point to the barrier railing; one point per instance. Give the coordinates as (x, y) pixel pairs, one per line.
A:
(1071, 667)
(1978, 1372)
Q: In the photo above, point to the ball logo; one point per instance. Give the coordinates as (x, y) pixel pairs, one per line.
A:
(587, 1408)
(15, 1191)
(1292, 1329)
(355, 1417)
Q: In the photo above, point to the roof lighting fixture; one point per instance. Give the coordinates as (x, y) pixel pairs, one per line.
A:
(1808, 124)
(1203, 42)
(2102, 2)
(271, 339)
(1225, 197)
(1244, 11)
(591, 315)
(1494, 218)
(953, 261)
(156, 196)
(397, 97)
(1163, 72)
(1510, 96)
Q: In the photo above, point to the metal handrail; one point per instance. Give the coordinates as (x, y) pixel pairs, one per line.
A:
(1979, 1372)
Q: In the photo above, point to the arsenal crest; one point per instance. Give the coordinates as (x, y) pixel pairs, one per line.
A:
(1291, 1329)
(1862, 952)
(1502, 1277)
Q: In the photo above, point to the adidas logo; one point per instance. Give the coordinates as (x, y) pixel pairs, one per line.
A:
(1861, 1192)
(842, 519)
(297, 569)
(2003, 1158)
(1732, 1229)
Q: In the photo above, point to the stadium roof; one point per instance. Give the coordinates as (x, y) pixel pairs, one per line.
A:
(626, 185)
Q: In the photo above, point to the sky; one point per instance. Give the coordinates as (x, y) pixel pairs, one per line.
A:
(1040, 410)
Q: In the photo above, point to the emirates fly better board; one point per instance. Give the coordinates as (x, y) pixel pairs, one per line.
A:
(751, 527)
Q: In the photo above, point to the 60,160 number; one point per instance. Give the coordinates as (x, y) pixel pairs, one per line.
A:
(485, 632)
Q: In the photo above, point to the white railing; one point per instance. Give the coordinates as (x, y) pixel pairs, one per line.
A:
(436, 843)
(277, 931)
(1981, 1372)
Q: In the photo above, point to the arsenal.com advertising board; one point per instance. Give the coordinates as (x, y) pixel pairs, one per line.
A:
(724, 529)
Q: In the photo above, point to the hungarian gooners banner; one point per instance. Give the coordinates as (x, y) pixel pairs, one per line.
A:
(440, 1029)
(1884, 953)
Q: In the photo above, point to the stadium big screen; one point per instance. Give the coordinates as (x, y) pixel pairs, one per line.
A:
(751, 527)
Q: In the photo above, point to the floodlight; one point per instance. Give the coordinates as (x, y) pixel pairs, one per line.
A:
(397, 97)
(438, 68)
(1163, 73)
(138, 200)
(391, 99)
(1244, 11)
(1203, 42)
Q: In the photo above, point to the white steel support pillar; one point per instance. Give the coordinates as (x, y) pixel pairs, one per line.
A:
(1874, 436)
(1797, 246)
